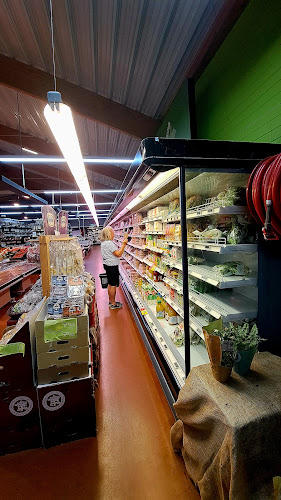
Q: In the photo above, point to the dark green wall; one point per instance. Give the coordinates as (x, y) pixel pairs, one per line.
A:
(238, 97)
(178, 116)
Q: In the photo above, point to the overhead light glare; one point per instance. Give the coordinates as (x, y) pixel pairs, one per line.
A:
(30, 151)
(16, 204)
(60, 120)
(158, 181)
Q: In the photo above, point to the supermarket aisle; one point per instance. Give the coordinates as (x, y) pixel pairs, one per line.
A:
(131, 459)
(136, 460)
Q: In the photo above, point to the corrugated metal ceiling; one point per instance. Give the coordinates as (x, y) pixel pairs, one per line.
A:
(136, 52)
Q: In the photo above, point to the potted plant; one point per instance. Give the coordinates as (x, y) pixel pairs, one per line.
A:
(246, 339)
(220, 347)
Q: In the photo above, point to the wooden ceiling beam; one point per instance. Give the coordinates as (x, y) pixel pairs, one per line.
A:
(37, 83)
(37, 144)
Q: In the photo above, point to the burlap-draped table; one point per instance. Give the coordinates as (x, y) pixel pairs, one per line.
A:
(230, 434)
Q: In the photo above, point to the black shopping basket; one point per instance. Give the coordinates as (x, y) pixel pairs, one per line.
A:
(103, 280)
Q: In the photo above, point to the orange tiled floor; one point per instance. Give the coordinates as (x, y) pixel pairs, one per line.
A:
(132, 457)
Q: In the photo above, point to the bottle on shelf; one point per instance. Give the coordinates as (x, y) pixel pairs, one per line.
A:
(160, 311)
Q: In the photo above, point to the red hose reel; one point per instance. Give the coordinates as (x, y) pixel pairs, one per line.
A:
(264, 196)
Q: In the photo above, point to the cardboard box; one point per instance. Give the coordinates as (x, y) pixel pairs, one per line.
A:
(81, 340)
(19, 420)
(82, 322)
(63, 357)
(56, 374)
(67, 411)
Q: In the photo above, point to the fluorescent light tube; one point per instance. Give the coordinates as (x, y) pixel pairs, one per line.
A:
(60, 120)
(30, 151)
(57, 205)
(51, 159)
(96, 191)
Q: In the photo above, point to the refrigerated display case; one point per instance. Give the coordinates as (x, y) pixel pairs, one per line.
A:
(194, 250)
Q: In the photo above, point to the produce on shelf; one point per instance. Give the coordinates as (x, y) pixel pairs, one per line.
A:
(194, 201)
(237, 234)
(201, 286)
(231, 269)
(194, 260)
(178, 336)
(232, 196)
(28, 301)
(174, 206)
(22, 320)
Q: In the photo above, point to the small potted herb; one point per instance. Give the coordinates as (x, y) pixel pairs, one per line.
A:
(246, 340)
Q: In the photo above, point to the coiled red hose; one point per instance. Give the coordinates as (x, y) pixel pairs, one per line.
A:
(264, 193)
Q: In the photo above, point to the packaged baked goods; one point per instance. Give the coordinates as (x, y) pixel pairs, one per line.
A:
(49, 220)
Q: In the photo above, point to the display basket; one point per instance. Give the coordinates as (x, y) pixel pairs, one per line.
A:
(103, 280)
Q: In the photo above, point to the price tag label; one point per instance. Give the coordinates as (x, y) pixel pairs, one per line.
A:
(227, 345)
(143, 311)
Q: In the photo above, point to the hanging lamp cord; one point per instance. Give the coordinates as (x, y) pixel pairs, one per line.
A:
(53, 44)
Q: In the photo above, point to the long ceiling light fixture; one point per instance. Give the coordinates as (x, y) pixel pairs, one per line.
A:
(51, 159)
(60, 120)
(96, 191)
(57, 205)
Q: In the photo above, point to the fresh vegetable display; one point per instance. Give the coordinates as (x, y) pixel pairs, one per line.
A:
(194, 260)
(178, 336)
(201, 286)
(237, 234)
(194, 201)
(231, 269)
(232, 196)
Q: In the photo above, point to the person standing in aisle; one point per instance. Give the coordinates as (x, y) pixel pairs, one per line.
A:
(111, 257)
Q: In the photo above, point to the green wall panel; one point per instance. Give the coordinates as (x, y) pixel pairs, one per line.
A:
(177, 116)
(238, 97)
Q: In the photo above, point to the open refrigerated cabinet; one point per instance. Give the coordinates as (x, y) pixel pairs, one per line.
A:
(193, 250)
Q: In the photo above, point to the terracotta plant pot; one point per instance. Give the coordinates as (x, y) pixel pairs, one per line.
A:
(243, 364)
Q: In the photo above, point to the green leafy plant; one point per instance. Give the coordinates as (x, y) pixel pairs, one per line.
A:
(243, 336)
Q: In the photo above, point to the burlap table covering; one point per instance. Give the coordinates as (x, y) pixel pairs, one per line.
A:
(230, 434)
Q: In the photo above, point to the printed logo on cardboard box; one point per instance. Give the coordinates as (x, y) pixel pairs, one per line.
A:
(20, 406)
(53, 400)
